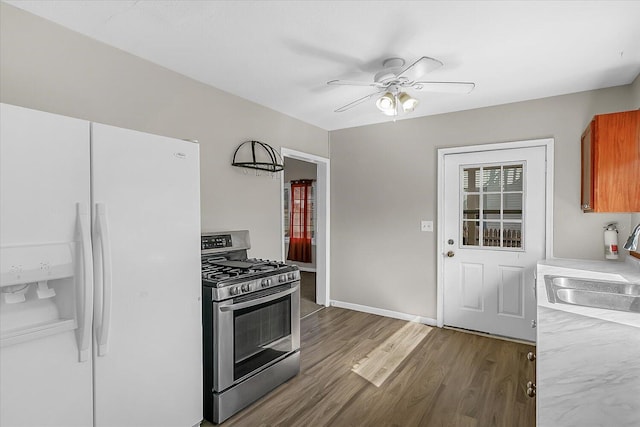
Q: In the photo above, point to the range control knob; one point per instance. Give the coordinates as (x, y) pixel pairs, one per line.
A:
(265, 283)
(282, 278)
(233, 290)
(246, 287)
(291, 276)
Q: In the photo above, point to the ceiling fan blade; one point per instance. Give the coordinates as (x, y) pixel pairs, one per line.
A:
(419, 68)
(350, 83)
(357, 101)
(444, 87)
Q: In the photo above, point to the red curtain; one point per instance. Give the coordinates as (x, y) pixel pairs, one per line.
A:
(301, 209)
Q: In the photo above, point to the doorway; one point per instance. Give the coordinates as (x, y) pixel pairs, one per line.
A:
(494, 225)
(315, 274)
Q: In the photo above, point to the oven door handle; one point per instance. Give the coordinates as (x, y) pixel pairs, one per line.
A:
(256, 301)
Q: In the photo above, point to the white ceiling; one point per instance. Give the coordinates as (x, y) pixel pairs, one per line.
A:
(280, 54)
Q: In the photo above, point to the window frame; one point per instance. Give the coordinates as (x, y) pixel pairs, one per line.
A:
(481, 220)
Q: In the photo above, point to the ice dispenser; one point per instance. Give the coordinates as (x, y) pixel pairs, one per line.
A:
(37, 291)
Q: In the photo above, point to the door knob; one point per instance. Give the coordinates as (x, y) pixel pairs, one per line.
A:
(450, 254)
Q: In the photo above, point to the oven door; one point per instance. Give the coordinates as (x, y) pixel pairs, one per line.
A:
(255, 331)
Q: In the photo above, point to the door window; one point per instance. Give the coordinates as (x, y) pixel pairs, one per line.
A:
(492, 201)
(312, 210)
(262, 334)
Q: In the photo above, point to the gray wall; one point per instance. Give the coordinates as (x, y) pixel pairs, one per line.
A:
(384, 183)
(47, 67)
(298, 169)
(635, 93)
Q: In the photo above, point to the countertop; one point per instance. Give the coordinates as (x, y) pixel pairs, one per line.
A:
(627, 271)
(588, 359)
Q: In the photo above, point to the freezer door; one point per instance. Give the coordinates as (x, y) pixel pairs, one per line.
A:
(146, 216)
(46, 264)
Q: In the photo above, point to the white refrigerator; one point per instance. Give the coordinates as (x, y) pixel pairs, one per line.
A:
(100, 314)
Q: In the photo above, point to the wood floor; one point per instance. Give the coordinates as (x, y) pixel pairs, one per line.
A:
(451, 378)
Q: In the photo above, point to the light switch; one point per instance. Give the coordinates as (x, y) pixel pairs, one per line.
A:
(426, 226)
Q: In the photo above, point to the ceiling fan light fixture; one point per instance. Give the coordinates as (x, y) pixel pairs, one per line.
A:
(408, 103)
(395, 78)
(386, 103)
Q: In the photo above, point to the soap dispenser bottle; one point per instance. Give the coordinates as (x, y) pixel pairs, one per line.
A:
(611, 241)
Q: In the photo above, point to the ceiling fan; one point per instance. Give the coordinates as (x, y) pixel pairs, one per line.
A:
(392, 81)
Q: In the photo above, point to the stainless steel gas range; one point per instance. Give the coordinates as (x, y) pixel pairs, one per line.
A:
(251, 324)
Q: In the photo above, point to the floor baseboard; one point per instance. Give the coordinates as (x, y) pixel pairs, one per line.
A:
(386, 313)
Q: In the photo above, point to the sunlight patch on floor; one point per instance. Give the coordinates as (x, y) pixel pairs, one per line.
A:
(376, 366)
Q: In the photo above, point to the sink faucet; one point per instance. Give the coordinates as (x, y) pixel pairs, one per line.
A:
(632, 241)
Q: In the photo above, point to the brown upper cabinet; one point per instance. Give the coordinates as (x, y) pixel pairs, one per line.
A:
(611, 163)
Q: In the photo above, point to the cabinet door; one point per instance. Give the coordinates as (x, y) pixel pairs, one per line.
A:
(616, 162)
(611, 163)
(587, 170)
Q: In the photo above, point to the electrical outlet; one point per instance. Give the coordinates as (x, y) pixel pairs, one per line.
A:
(426, 226)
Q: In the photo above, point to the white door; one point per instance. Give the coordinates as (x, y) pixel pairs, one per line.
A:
(148, 363)
(44, 175)
(494, 232)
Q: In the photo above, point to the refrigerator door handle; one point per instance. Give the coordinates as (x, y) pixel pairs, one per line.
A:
(83, 334)
(102, 231)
